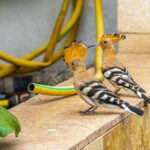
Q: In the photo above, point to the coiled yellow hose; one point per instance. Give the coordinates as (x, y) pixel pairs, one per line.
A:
(7, 69)
(26, 65)
(58, 54)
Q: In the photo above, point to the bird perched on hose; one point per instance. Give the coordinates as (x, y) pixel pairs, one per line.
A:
(90, 89)
(116, 73)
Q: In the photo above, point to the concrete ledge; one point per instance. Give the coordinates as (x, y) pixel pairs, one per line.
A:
(131, 133)
(54, 122)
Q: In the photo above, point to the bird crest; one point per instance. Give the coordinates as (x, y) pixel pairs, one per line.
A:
(77, 50)
(114, 37)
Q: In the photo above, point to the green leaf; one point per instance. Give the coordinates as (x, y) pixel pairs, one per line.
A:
(8, 123)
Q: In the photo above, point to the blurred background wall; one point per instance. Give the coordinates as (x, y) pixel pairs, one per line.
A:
(26, 24)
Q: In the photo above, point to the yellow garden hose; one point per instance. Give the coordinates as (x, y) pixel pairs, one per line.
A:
(99, 33)
(55, 36)
(51, 90)
(58, 53)
(51, 45)
(56, 31)
(3, 66)
(21, 62)
(23, 65)
(57, 56)
(4, 103)
(74, 17)
(7, 69)
(98, 56)
(71, 22)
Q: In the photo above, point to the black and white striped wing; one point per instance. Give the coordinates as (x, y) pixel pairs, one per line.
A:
(121, 77)
(98, 94)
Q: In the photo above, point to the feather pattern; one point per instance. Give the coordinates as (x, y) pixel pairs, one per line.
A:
(119, 76)
(88, 88)
(98, 94)
(122, 78)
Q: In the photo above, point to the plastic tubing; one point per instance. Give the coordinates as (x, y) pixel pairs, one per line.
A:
(56, 31)
(99, 33)
(58, 53)
(4, 103)
(51, 90)
(7, 69)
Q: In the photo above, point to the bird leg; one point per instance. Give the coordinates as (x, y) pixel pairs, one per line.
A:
(117, 90)
(89, 111)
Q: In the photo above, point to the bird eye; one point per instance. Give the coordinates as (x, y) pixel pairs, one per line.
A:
(72, 63)
(105, 42)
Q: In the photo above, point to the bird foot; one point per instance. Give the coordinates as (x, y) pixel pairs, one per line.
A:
(87, 112)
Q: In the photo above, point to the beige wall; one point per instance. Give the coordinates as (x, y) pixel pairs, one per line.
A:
(134, 21)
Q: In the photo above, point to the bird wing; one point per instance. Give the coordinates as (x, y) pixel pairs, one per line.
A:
(121, 77)
(98, 94)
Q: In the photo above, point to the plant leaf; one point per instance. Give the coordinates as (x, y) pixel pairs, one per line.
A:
(8, 123)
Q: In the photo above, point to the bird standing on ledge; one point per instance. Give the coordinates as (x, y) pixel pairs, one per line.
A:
(116, 73)
(90, 89)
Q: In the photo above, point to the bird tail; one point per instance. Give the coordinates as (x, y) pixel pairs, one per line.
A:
(143, 96)
(142, 90)
(132, 109)
(146, 99)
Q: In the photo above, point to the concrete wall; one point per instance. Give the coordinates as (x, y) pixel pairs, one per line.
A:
(26, 24)
(134, 21)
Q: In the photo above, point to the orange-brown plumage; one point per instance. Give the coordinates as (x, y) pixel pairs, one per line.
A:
(77, 50)
(107, 43)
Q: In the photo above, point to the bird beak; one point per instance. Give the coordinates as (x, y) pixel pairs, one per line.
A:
(96, 44)
(64, 71)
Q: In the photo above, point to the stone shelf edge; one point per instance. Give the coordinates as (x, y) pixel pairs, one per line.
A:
(50, 122)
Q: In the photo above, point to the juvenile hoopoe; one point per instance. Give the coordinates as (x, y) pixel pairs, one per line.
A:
(90, 89)
(116, 73)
